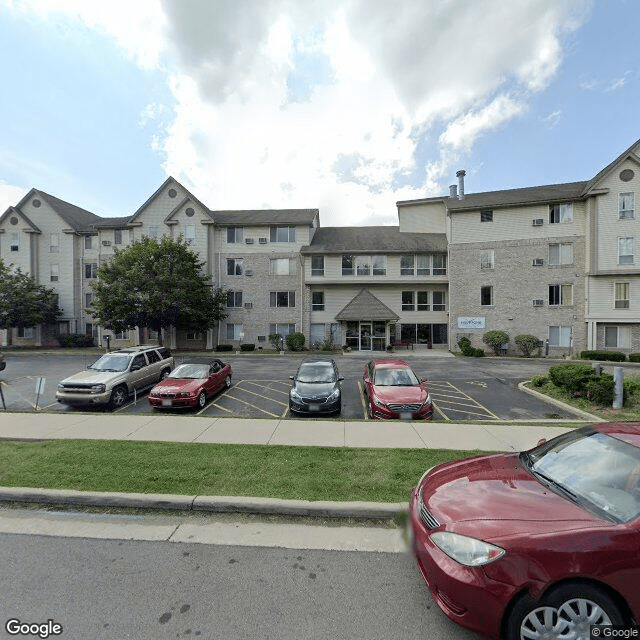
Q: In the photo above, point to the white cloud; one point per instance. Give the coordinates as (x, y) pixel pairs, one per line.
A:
(10, 195)
(253, 126)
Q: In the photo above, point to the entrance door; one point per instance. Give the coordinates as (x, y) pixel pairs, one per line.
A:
(365, 336)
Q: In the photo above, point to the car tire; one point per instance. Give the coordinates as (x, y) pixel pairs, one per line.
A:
(227, 382)
(202, 400)
(565, 612)
(118, 397)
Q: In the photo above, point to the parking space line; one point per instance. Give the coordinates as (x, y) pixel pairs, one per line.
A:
(436, 407)
(450, 399)
(273, 415)
(262, 386)
(362, 394)
(258, 395)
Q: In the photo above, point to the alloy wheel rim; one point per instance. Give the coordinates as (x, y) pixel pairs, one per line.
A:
(572, 621)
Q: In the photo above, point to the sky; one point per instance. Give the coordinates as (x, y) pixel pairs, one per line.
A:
(347, 106)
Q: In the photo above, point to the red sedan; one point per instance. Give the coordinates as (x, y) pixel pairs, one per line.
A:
(392, 390)
(190, 385)
(538, 545)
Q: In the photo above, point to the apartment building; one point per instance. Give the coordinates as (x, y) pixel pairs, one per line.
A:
(555, 261)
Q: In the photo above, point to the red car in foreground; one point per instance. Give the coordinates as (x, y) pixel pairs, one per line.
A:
(191, 384)
(392, 390)
(538, 545)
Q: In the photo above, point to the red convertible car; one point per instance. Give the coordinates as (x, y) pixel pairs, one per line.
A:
(392, 390)
(541, 545)
(191, 384)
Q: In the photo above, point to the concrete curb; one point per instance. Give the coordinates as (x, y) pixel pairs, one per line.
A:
(558, 403)
(214, 504)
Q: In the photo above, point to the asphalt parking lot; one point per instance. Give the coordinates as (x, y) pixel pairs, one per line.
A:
(461, 388)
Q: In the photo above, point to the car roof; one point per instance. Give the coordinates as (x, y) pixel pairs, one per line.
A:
(137, 349)
(389, 364)
(330, 361)
(627, 431)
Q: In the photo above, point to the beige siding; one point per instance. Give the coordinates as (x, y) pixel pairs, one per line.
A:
(422, 218)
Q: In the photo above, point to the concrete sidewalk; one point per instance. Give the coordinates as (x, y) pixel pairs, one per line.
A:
(330, 433)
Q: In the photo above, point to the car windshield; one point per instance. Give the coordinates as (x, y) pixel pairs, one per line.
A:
(593, 469)
(316, 372)
(401, 377)
(190, 371)
(111, 362)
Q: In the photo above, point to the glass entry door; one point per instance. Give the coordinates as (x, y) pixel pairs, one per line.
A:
(365, 336)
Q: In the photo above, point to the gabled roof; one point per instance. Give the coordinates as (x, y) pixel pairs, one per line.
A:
(16, 212)
(382, 239)
(264, 216)
(628, 153)
(365, 306)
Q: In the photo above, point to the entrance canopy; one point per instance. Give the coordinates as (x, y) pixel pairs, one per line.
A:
(365, 306)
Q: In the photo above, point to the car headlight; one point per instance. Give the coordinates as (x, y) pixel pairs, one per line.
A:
(295, 395)
(427, 399)
(186, 394)
(334, 396)
(378, 401)
(465, 550)
(98, 388)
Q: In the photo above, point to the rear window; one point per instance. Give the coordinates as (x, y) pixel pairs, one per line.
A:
(153, 356)
(164, 353)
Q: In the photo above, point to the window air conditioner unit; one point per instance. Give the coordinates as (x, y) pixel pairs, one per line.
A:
(262, 240)
(538, 222)
(248, 305)
(248, 272)
(106, 243)
(538, 262)
(538, 303)
(249, 240)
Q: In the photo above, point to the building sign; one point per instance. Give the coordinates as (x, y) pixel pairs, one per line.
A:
(465, 322)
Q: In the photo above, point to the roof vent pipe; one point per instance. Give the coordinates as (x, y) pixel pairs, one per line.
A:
(453, 191)
(460, 175)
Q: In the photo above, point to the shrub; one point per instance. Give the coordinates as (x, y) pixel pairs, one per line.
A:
(224, 347)
(295, 341)
(467, 350)
(539, 380)
(634, 357)
(612, 356)
(495, 339)
(247, 347)
(571, 377)
(74, 340)
(631, 390)
(274, 339)
(527, 344)
(600, 390)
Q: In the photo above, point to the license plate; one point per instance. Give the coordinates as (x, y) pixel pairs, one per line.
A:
(166, 403)
(406, 415)
(314, 407)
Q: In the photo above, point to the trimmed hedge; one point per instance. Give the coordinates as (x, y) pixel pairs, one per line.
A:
(634, 357)
(467, 350)
(612, 356)
(76, 340)
(295, 341)
(224, 347)
(572, 377)
(247, 347)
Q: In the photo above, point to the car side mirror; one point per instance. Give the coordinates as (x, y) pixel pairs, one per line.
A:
(541, 441)
(423, 380)
(340, 378)
(291, 377)
(136, 367)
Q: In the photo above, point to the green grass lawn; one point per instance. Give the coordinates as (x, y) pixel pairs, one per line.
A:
(304, 473)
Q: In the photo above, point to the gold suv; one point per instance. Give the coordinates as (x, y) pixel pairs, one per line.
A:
(117, 375)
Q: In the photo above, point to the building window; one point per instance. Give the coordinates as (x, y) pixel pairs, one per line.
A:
(25, 332)
(486, 296)
(379, 265)
(234, 331)
(14, 243)
(317, 265)
(423, 265)
(88, 299)
(88, 329)
(423, 300)
(281, 328)
(88, 242)
(190, 233)
(282, 299)
(486, 259)
(408, 301)
(407, 265)
(621, 295)
(91, 270)
(438, 301)
(154, 232)
(561, 294)
(234, 299)
(55, 272)
(283, 234)
(54, 244)
(121, 335)
(626, 205)
(363, 265)
(559, 336)
(560, 253)
(117, 236)
(317, 301)
(194, 335)
(440, 264)
(560, 213)
(281, 267)
(234, 267)
(486, 216)
(617, 337)
(234, 235)
(625, 250)
(347, 265)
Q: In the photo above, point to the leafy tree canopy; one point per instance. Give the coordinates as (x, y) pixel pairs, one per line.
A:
(24, 302)
(157, 284)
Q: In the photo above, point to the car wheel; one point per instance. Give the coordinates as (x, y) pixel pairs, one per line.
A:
(566, 612)
(227, 382)
(164, 374)
(118, 397)
(202, 400)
